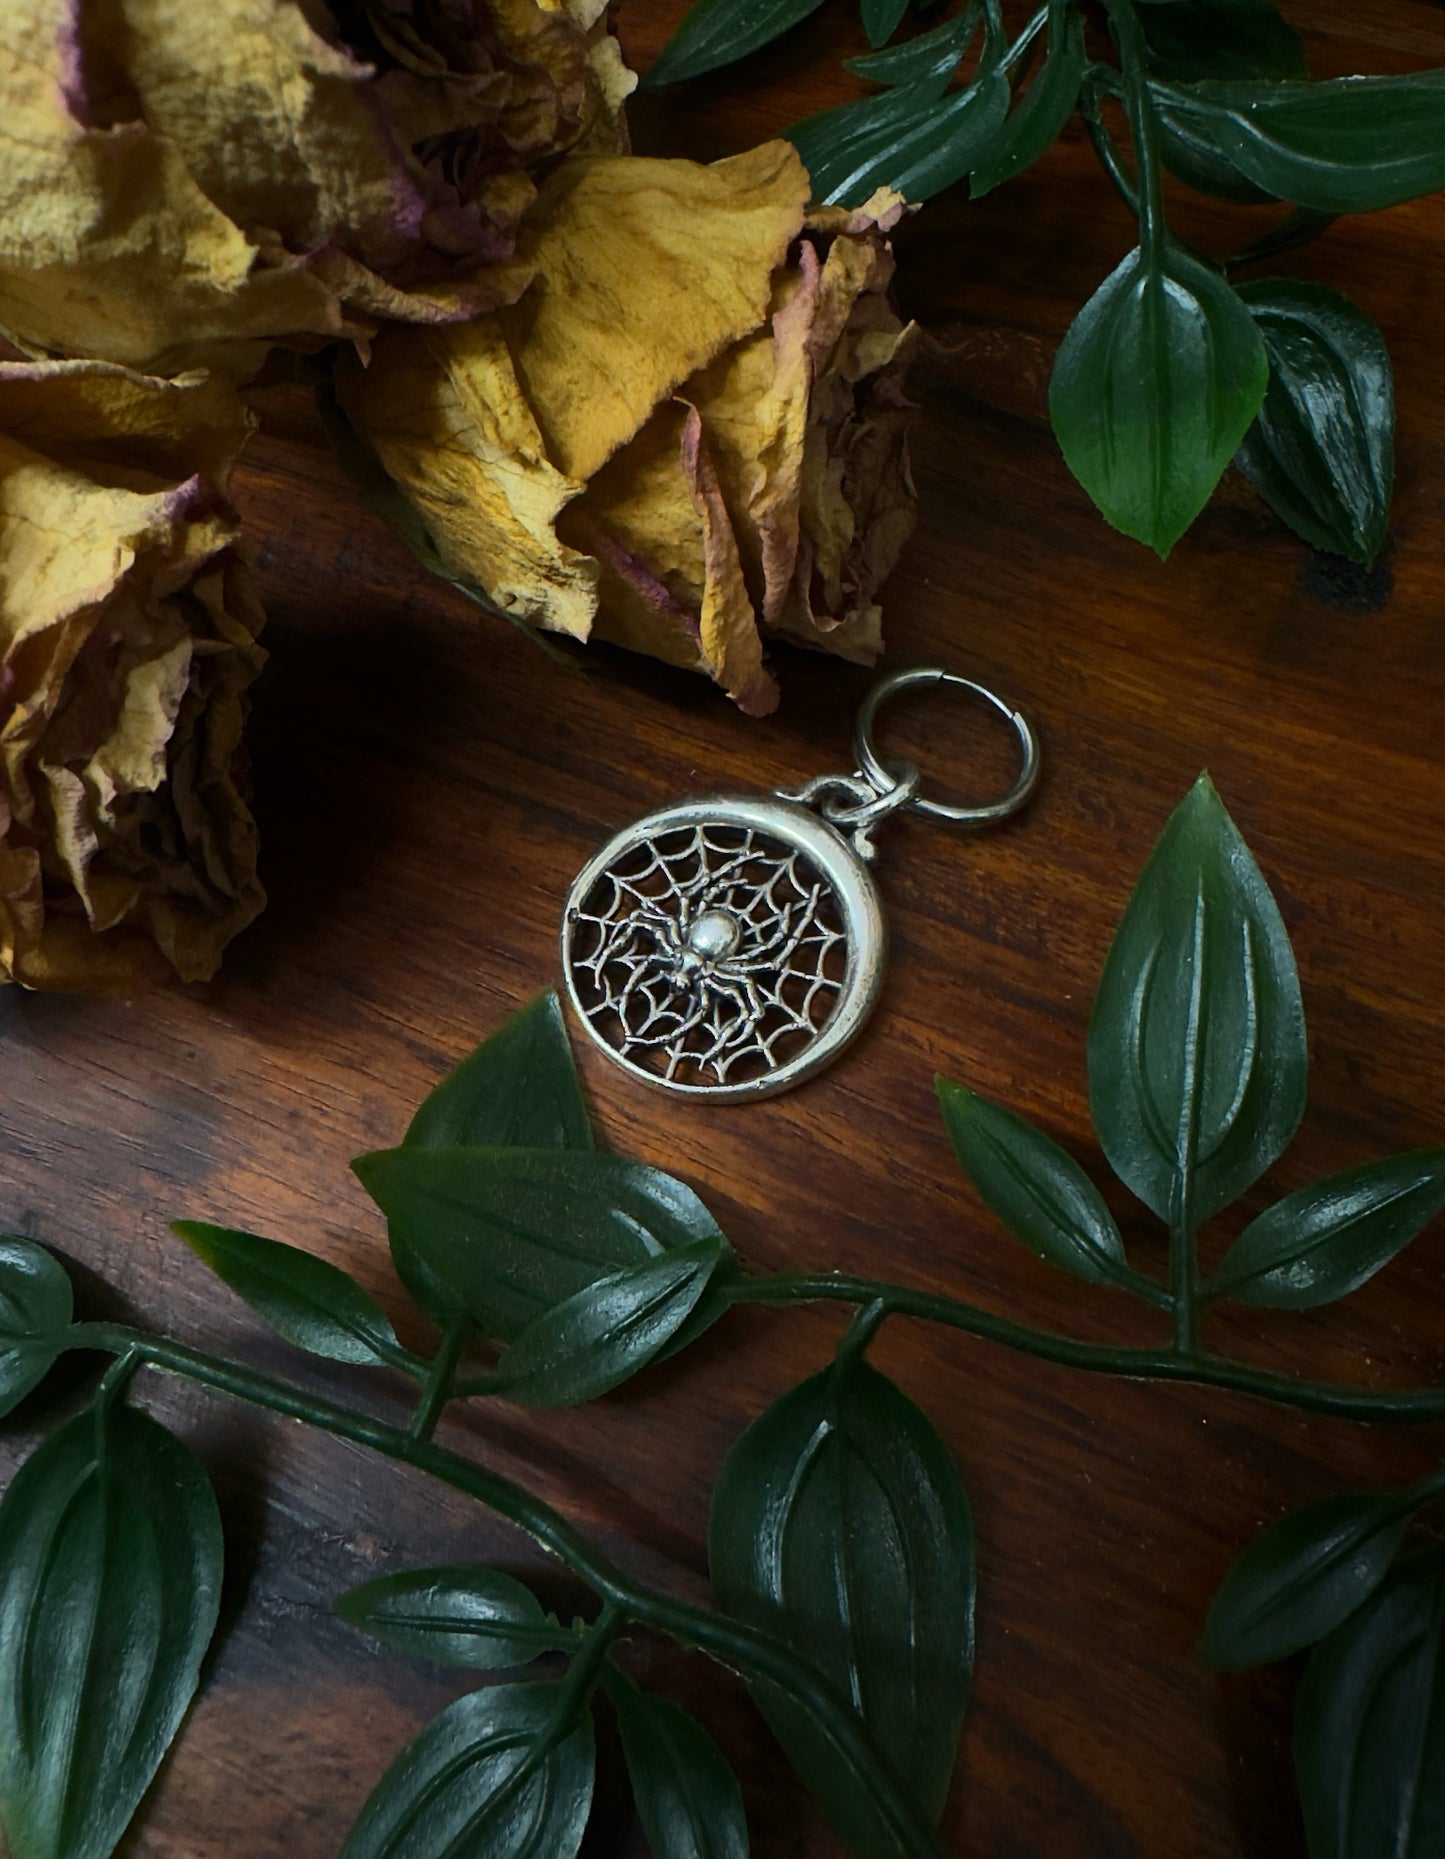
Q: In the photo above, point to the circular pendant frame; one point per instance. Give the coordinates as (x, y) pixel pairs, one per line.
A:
(663, 935)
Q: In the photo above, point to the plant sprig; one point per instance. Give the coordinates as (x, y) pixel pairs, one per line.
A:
(1170, 370)
(841, 1541)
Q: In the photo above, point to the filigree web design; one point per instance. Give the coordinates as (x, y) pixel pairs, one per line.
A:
(710, 954)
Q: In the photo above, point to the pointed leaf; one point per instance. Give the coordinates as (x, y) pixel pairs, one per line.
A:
(511, 1232)
(1197, 1054)
(1221, 39)
(1040, 1193)
(475, 1617)
(598, 1337)
(309, 1301)
(1369, 1732)
(1153, 388)
(1351, 145)
(519, 1089)
(1301, 1578)
(882, 18)
(1037, 119)
(839, 1524)
(1321, 1242)
(1188, 150)
(495, 1776)
(688, 1799)
(35, 1311)
(931, 57)
(110, 1576)
(1322, 451)
(719, 32)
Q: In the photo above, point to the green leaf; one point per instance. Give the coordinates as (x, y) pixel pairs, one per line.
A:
(719, 32)
(1197, 1054)
(600, 1336)
(906, 139)
(110, 1576)
(931, 57)
(495, 1776)
(1188, 150)
(1323, 1241)
(1153, 388)
(512, 1232)
(475, 1617)
(309, 1301)
(1041, 1194)
(1300, 1579)
(882, 18)
(839, 1525)
(1322, 451)
(1369, 1731)
(1221, 39)
(35, 1311)
(519, 1090)
(1035, 123)
(1351, 145)
(687, 1797)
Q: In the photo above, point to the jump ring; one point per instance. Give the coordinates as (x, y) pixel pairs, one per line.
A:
(930, 676)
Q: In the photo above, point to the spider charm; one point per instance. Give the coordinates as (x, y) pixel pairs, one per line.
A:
(714, 949)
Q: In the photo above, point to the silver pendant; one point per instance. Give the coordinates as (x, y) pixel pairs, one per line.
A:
(728, 948)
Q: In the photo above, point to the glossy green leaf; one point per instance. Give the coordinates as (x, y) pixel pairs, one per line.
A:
(688, 1799)
(1322, 451)
(1040, 1193)
(309, 1301)
(1351, 145)
(1298, 1580)
(931, 57)
(1197, 1056)
(1038, 117)
(475, 1617)
(882, 18)
(519, 1089)
(1189, 151)
(1369, 1728)
(110, 1576)
(600, 1336)
(35, 1311)
(840, 1525)
(719, 32)
(512, 1232)
(1221, 39)
(495, 1776)
(1321, 1242)
(911, 141)
(1153, 388)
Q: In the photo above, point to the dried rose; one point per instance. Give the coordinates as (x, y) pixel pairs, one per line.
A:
(689, 429)
(173, 177)
(127, 640)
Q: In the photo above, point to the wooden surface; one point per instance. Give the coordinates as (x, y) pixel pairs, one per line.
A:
(428, 782)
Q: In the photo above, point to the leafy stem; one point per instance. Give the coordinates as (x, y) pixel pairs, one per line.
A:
(754, 1655)
(441, 1378)
(1130, 40)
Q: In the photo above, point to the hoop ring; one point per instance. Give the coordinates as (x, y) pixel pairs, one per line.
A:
(928, 677)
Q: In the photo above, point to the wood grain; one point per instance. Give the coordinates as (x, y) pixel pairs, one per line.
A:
(428, 782)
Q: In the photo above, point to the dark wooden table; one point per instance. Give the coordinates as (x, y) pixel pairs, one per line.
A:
(428, 782)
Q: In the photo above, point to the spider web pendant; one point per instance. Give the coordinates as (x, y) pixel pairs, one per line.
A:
(724, 948)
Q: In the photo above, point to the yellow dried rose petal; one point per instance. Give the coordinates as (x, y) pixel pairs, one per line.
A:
(127, 637)
(444, 414)
(646, 270)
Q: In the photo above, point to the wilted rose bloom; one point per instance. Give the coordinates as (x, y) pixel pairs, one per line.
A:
(175, 177)
(127, 640)
(689, 430)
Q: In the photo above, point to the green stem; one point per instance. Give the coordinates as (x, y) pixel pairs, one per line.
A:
(1105, 147)
(1196, 1365)
(1130, 40)
(1044, 17)
(753, 1655)
(441, 1379)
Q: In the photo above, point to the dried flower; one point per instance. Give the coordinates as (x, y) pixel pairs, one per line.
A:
(174, 178)
(688, 429)
(127, 640)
